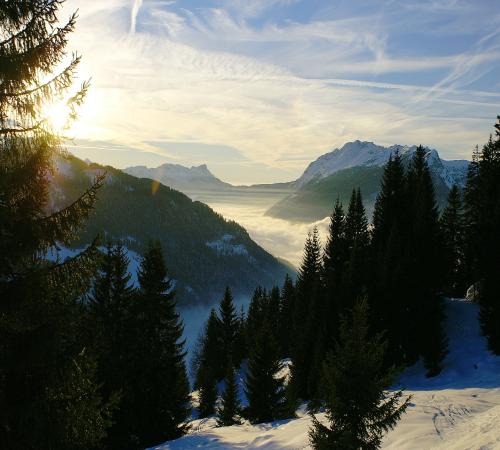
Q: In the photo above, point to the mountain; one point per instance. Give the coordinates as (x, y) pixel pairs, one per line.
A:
(357, 164)
(181, 178)
(204, 252)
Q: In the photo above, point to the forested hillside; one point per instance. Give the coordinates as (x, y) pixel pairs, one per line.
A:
(204, 251)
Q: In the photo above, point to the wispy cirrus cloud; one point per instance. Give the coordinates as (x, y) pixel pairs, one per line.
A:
(284, 81)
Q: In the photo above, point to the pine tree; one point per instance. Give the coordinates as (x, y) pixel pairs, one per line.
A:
(424, 265)
(287, 304)
(453, 232)
(336, 254)
(40, 309)
(264, 389)
(229, 326)
(483, 217)
(209, 366)
(306, 316)
(256, 315)
(108, 311)
(357, 240)
(358, 407)
(155, 404)
(228, 413)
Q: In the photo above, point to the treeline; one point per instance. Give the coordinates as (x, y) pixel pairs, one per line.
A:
(380, 283)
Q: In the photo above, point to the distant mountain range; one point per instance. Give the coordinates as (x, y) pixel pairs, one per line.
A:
(204, 252)
(185, 179)
(357, 164)
(311, 197)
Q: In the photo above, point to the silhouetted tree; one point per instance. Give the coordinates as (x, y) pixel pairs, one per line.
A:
(358, 407)
(46, 402)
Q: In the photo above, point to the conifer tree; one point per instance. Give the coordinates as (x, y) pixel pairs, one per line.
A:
(40, 311)
(256, 315)
(207, 388)
(209, 367)
(357, 240)
(306, 316)
(264, 389)
(336, 253)
(108, 311)
(155, 404)
(453, 233)
(387, 286)
(229, 327)
(287, 304)
(424, 266)
(228, 413)
(358, 407)
(483, 217)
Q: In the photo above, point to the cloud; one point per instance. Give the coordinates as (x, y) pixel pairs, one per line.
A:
(133, 14)
(278, 89)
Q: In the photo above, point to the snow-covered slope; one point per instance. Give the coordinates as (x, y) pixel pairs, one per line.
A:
(457, 410)
(185, 179)
(359, 153)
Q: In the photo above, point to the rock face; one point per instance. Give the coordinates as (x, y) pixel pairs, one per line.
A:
(185, 179)
(368, 154)
(358, 165)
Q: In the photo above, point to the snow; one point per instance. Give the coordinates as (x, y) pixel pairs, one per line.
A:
(63, 253)
(457, 410)
(359, 153)
(225, 247)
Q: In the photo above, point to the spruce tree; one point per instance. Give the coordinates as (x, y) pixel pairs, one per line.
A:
(423, 263)
(108, 312)
(307, 316)
(229, 327)
(387, 286)
(264, 388)
(483, 217)
(228, 413)
(155, 404)
(287, 304)
(40, 309)
(256, 315)
(209, 367)
(357, 241)
(452, 224)
(358, 407)
(207, 393)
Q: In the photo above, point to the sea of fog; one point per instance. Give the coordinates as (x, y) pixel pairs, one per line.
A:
(279, 237)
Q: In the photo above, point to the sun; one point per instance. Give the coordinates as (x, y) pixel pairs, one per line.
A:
(57, 116)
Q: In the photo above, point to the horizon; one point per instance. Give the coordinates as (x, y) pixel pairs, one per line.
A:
(207, 166)
(258, 89)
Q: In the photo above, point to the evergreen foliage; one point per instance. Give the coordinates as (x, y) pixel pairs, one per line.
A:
(264, 388)
(285, 321)
(48, 386)
(306, 316)
(423, 267)
(483, 241)
(209, 367)
(228, 413)
(229, 329)
(156, 393)
(453, 228)
(358, 407)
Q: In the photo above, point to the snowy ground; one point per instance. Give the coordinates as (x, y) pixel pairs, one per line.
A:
(458, 410)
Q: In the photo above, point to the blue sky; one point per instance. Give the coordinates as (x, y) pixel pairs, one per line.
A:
(256, 89)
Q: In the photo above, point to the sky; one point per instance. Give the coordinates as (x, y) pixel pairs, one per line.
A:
(257, 89)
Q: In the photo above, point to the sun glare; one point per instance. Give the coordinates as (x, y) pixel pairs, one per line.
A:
(57, 116)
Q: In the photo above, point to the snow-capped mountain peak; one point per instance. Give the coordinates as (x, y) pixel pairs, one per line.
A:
(362, 153)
